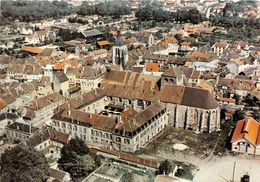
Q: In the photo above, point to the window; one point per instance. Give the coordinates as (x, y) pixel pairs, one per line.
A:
(126, 141)
(70, 127)
(118, 139)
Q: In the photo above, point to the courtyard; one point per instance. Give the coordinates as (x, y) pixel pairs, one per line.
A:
(193, 148)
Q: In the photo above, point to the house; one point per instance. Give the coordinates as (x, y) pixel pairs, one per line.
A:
(208, 66)
(152, 67)
(185, 47)
(100, 53)
(3, 106)
(20, 131)
(172, 76)
(172, 44)
(246, 137)
(227, 101)
(145, 37)
(48, 141)
(41, 110)
(238, 86)
(61, 83)
(91, 35)
(103, 44)
(220, 48)
(236, 66)
(40, 37)
(163, 60)
(32, 50)
(87, 77)
(5, 120)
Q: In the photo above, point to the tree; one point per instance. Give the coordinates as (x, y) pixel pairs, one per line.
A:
(75, 159)
(251, 100)
(153, 11)
(238, 115)
(165, 167)
(97, 159)
(237, 98)
(75, 145)
(127, 177)
(80, 166)
(223, 113)
(195, 16)
(23, 164)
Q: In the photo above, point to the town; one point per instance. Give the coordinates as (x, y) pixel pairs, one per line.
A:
(129, 91)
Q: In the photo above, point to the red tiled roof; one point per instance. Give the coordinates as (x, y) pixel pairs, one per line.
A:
(2, 104)
(229, 100)
(222, 45)
(34, 50)
(58, 66)
(248, 129)
(186, 43)
(103, 43)
(152, 67)
(127, 157)
(169, 41)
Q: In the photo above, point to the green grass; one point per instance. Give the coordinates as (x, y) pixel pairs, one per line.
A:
(111, 171)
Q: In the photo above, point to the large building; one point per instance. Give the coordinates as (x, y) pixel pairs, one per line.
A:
(116, 127)
(129, 109)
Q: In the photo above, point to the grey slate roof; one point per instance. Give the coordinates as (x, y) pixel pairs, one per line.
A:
(61, 77)
(91, 33)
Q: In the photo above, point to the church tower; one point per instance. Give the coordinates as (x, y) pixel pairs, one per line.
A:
(120, 51)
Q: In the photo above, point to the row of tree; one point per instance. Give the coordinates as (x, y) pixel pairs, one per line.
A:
(25, 10)
(154, 11)
(112, 8)
(229, 16)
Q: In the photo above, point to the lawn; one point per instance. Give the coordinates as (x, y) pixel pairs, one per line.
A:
(111, 171)
(94, 178)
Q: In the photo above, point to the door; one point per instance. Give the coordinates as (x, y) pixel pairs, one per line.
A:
(243, 148)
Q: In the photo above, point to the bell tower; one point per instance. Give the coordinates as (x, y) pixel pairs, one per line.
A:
(120, 51)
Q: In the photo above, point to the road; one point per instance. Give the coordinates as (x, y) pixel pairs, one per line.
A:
(221, 169)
